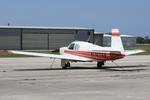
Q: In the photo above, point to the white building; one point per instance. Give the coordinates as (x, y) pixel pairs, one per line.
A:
(105, 39)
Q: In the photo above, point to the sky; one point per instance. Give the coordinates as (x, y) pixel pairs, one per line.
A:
(130, 16)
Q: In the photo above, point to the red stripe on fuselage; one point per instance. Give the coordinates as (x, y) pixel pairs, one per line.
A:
(99, 56)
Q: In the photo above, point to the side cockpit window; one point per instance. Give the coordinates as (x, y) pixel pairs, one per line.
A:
(74, 46)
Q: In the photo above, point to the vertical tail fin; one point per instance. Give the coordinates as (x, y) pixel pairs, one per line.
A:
(116, 42)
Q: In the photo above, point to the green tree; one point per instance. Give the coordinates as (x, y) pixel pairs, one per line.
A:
(139, 40)
(146, 40)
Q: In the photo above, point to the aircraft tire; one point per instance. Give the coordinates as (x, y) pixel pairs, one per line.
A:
(100, 65)
(64, 67)
(67, 65)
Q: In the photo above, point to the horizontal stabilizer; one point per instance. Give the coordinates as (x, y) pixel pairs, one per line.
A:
(131, 52)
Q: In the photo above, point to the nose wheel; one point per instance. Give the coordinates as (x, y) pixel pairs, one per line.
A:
(66, 65)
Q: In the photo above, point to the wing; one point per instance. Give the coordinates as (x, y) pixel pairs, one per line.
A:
(131, 52)
(65, 56)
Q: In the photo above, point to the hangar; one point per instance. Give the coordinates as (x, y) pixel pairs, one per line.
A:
(98, 37)
(51, 38)
(42, 38)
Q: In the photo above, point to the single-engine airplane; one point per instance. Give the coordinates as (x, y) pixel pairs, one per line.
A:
(79, 51)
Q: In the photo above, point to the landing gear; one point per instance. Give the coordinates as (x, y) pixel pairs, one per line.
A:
(100, 64)
(65, 64)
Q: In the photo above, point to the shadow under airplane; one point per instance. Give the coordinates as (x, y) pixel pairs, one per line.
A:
(106, 68)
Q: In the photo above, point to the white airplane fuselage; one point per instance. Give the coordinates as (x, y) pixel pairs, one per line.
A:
(92, 51)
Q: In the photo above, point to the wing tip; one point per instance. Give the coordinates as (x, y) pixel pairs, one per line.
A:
(6, 52)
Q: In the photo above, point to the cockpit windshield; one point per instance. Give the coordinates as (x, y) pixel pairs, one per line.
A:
(71, 46)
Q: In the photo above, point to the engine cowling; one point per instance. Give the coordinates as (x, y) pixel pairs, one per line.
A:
(62, 49)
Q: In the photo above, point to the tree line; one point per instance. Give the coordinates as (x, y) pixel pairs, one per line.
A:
(143, 40)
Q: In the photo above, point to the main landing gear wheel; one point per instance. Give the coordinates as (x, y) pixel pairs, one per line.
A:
(66, 65)
(100, 64)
